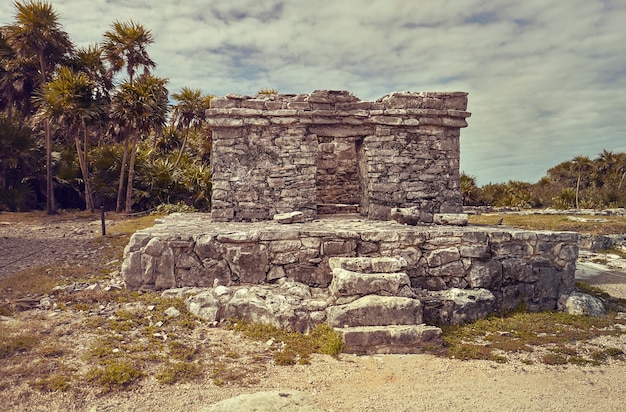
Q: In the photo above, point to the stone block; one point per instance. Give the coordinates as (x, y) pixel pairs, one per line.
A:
(458, 306)
(376, 310)
(397, 339)
(338, 247)
(348, 283)
(454, 219)
(440, 257)
(485, 274)
(291, 217)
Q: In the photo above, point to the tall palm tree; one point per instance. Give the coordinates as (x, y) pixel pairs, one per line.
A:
(126, 46)
(143, 106)
(17, 80)
(189, 112)
(69, 99)
(90, 60)
(581, 165)
(37, 33)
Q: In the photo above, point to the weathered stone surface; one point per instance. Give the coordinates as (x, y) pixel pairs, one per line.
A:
(454, 219)
(582, 304)
(485, 274)
(457, 306)
(368, 264)
(285, 305)
(376, 310)
(204, 305)
(308, 153)
(189, 250)
(406, 215)
(391, 339)
(291, 217)
(348, 283)
(266, 402)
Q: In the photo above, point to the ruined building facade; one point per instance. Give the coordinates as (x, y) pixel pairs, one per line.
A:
(329, 152)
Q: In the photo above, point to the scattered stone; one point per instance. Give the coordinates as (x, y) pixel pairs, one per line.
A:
(584, 305)
(172, 312)
(291, 217)
(454, 219)
(406, 215)
(265, 402)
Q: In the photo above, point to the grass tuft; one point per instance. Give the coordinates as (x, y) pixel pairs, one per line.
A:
(116, 374)
(297, 347)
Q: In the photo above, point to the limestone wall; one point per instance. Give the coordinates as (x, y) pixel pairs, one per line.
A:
(283, 153)
(513, 265)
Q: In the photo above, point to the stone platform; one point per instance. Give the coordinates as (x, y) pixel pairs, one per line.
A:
(341, 260)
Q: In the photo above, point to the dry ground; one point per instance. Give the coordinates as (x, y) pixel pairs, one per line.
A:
(67, 341)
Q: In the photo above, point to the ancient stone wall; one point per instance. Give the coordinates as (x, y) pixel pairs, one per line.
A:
(284, 153)
(513, 265)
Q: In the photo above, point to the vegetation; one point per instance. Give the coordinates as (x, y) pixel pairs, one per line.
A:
(296, 347)
(589, 224)
(95, 121)
(555, 336)
(580, 183)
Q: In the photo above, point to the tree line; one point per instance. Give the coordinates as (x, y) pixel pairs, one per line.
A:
(88, 127)
(579, 183)
(93, 126)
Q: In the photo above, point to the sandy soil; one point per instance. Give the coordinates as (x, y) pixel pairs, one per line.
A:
(351, 383)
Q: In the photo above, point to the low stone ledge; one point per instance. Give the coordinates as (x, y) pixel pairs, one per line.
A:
(399, 339)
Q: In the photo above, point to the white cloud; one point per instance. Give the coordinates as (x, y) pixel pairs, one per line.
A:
(546, 78)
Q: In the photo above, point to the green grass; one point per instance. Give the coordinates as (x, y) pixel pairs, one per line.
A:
(298, 347)
(522, 332)
(612, 225)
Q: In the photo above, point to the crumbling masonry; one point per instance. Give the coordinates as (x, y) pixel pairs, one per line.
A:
(336, 169)
(329, 151)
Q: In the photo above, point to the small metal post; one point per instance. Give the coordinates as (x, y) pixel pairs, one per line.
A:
(104, 229)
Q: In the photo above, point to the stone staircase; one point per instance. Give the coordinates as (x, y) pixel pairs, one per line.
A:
(376, 310)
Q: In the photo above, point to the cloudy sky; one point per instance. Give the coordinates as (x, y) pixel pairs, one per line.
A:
(546, 78)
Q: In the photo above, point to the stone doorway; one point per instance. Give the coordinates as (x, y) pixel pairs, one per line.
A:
(338, 179)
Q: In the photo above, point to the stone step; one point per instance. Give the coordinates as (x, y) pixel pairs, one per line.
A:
(336, 209)
(365, 264)
(376, 310)
(391, 339)
(349, 283)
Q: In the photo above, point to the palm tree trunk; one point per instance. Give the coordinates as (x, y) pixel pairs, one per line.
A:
(88, 193)
(577, 189)
(131, 176)
(50, 206)
(81, 163)
(120, 187)
(621, 180)
(182, 148)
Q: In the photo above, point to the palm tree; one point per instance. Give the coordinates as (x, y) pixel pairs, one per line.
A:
(17, 80)
(90, 60)
(125, 46)
(581, 165)
(69, 99)
(143, 107)
(189, 112)
(37, 33)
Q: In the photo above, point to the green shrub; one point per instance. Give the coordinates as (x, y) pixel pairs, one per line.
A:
(116, 374)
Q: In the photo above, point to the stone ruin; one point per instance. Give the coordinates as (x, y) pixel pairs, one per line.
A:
(304, 187)
(329, 152)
